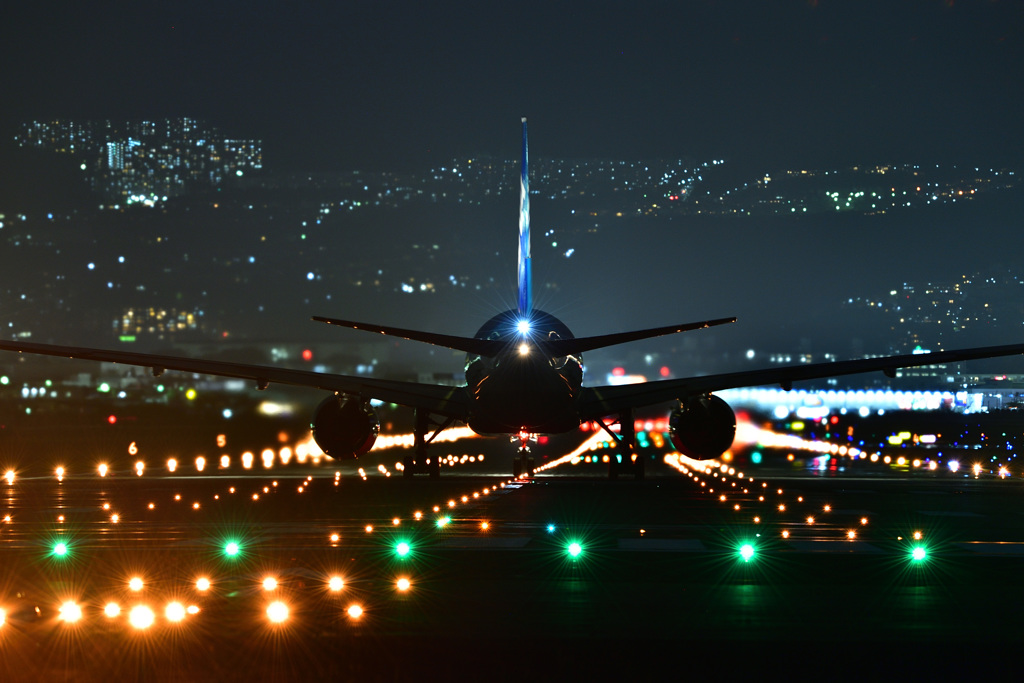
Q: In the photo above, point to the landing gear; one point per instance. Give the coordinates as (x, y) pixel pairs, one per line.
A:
(626, 461)
(523, 463)
(418, 462)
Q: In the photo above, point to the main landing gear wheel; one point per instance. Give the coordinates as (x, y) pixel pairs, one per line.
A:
(523, 463)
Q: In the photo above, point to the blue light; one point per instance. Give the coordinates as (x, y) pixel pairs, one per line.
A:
(523, 326)
(551, 528)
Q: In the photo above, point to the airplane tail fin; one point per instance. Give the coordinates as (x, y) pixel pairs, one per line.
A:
(525, 286)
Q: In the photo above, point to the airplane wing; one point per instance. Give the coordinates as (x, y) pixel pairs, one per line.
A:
(441, 400)
(597, 402)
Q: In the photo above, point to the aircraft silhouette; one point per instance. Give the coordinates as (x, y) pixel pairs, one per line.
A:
(524, 377)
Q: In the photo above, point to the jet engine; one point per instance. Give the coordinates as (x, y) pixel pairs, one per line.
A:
(343, 427)
(702, 427)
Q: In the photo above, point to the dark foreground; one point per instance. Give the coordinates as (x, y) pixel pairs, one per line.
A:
(658, 582)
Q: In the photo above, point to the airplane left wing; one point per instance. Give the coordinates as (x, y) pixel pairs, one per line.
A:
(441, 400)
(597, 402)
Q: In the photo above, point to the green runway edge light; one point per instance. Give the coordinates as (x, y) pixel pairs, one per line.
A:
(574, 549)
(232, 549)
(918, 554)
(60, 549)
(747, 552)
(402, 549)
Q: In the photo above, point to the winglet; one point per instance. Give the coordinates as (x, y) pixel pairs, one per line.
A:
(525, 287)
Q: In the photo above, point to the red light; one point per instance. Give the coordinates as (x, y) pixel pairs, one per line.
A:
(664, 372)
(618, 372)
(307, 354)
(834, 420)
(112, 419)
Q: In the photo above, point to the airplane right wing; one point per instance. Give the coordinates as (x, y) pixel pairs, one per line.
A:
(597, 402)
(438, 399)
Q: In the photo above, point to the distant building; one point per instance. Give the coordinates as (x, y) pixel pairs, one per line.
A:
(147, 162)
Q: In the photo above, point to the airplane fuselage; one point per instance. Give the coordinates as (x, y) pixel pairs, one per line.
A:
(522, 388)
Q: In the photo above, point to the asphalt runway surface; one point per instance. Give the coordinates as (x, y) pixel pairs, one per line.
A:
(831, 588)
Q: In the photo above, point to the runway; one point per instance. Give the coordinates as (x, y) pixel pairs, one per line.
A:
(492, 577)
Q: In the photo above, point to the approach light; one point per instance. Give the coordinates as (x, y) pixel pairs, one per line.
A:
(174, 612)
(277, 612)
(523, 326)
(141, 617)
(70, 612)
(747, 552)
(402, 549)
(574, 549)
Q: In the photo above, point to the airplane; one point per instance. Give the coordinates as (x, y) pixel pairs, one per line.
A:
(524, 377)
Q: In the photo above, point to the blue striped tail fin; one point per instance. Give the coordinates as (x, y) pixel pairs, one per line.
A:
(525, 286)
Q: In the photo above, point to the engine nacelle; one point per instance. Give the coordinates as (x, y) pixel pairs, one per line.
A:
(702, 427)
(343, 427)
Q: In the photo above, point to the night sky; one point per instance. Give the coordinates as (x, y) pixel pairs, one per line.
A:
(765, 85)
(384, 84)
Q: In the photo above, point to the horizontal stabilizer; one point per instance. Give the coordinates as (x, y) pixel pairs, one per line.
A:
(482, 347)
(552, 347)
(572, 347)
